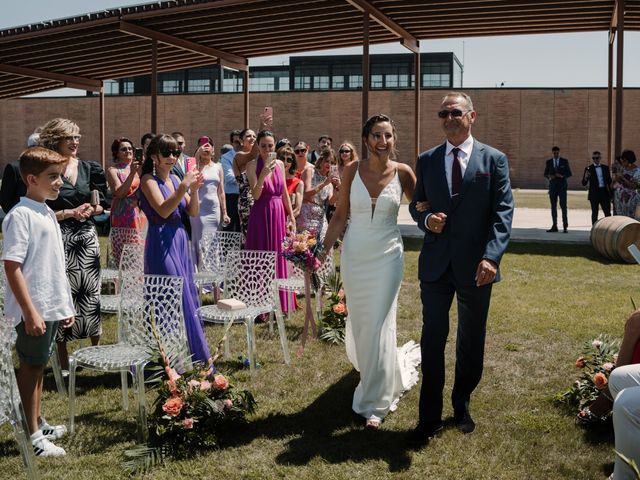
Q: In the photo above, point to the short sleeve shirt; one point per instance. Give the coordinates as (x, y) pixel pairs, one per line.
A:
(32, 238)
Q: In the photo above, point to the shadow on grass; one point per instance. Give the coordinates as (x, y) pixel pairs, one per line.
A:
(101, 431)
(328, 429)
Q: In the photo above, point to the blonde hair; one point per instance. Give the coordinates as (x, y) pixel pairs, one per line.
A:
(54, 131)
(353, 156)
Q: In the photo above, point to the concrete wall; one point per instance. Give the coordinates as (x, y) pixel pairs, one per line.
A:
(524, 123)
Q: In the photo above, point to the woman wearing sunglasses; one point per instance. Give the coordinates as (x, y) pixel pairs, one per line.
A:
(300, 150)
(123, 179)
(75, 214)
(346, 154)
(295, 187)
(164, 197)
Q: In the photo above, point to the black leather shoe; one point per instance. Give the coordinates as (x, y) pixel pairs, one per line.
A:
(464, 422)
(553, 229)
(565, 230)
(420, 436)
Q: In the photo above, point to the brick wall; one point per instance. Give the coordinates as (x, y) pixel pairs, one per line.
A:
(525, 123)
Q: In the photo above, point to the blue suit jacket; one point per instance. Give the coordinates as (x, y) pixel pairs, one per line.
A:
(478, 224)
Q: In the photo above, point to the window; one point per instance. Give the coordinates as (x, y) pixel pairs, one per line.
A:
(311, 77)
(436, 75)
(171, 82)
(355, 81)
(111, 87)
(202, 80)
(268, 80)
(340, 75)
(128, 86)
(391, 75)
(231, 81)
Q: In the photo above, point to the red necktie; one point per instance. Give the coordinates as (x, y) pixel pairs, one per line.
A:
(456, 174)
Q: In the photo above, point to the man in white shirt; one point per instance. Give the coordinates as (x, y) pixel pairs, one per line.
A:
(231, 190)
(599, 179)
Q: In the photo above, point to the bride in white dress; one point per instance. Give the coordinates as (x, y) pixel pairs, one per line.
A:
(372, 267)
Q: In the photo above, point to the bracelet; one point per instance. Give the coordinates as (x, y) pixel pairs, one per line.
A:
(63, 214)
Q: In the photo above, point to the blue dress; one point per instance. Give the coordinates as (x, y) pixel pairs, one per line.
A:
(167, 253)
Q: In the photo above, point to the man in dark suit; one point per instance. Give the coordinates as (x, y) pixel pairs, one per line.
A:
(467, 226)
(599, 179)
(179, 169)
(557, 171)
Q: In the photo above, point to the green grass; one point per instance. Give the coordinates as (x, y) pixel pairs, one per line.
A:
(551, 300)
(540, 199)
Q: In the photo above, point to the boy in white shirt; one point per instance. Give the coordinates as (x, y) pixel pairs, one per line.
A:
(39, 297)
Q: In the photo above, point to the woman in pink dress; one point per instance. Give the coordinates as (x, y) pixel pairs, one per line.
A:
(271, 214)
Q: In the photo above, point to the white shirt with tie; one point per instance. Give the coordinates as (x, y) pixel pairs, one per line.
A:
(598, 170)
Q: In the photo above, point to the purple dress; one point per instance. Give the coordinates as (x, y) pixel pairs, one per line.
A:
(167, 253)
(267, 228)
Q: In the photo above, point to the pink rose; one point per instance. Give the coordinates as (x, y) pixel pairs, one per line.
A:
(220, 382)
(600, 380)
(580, 362)
(173, 406)
(227, 403)
(341, 294)
(194, 384)
(172, 386)
(339, 308)
(205, 385)
(608, 366)
(187, 423)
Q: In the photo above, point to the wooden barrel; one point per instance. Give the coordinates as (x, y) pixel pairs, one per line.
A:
(611, 236)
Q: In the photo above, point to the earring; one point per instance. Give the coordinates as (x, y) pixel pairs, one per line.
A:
(154, 169)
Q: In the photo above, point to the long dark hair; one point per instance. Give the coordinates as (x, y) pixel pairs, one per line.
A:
(379, 118)
(158, 143)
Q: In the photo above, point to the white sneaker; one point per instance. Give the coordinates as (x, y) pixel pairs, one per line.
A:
(44, 448)
(52, 432)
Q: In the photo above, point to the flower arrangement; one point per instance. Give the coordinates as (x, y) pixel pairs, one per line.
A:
(190, 410)
(598, 359)
(299, 250)
(334, 316)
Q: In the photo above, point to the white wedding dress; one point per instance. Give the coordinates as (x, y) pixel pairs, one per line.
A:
(372, 268)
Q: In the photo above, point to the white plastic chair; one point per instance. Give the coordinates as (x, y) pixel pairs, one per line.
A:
(10, 405)
(249, 277)
(118, 237)
(131, 262)
(159, 298)
(214, 248)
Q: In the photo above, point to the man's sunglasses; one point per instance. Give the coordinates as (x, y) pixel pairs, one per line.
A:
(455, 113)
(168, 153)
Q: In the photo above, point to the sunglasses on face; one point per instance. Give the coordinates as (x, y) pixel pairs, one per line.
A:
(300, 151)
(344, 150)
(455, 113)
(288, 159)
(73, 138)
(167, 153)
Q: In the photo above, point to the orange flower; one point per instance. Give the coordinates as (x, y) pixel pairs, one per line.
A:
(339, 308)
(171, 373)
(600, 380)
(220, 382)
(580, 362)
(173, 388)
(173, 406)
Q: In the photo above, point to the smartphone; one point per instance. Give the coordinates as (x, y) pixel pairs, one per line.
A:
(268, 112)
(190, 164)
(333, 170)
(271, 157)
(138, 154)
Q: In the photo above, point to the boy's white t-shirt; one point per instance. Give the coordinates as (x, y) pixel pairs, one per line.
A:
(32, 238)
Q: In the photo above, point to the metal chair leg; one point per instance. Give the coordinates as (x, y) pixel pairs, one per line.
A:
(21, 432)
(57, 371)
(72, 393)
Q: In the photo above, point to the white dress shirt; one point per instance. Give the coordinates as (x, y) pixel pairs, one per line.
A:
(463, 156)
(598, 169)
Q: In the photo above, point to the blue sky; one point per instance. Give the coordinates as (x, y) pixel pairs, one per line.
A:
(564, 60)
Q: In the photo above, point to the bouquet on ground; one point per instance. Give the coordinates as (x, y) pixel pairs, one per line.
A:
(190, 411)
(299, 249)
(334, 316)
(598, 359)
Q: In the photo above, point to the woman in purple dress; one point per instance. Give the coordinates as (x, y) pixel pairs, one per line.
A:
(166, 252)
(267, 221)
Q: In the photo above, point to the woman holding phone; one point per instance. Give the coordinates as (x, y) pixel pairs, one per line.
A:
(320, 188)
(75, 214)
(271, 215)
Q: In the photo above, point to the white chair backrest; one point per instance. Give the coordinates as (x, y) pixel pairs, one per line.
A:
(250, 277)
(132, 258)
(119, 236)
(214, 248)
(9, 395)
(156, 298)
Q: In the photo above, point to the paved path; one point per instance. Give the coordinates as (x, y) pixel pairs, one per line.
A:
(529, 225)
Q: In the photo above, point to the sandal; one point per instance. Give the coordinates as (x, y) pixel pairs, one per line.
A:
(373, 423)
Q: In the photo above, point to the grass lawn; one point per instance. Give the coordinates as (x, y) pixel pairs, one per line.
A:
(540, 199)
(551, 300)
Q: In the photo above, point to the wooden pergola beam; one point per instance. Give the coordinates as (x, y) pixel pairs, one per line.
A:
(71, 81)
(407, 39)
(222, 57)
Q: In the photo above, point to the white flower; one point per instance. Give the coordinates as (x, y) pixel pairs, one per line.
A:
(596, 343)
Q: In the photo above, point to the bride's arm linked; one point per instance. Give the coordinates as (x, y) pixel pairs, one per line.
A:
(340, 216)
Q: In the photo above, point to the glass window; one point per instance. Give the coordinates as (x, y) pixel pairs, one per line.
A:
(341, 74)
(171, 82)
(232, 81)
(111, 87)
(268, 80)
(311, 77)
(377, 81)
(202, 80)
(283, 82)
(436, 75)
(355, 81)
(128, 87)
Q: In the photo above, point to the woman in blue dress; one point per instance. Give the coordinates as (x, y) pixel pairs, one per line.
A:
(166, 252)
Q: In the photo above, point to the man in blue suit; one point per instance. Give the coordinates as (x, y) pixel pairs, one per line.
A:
(467, 226)
(557, 171)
